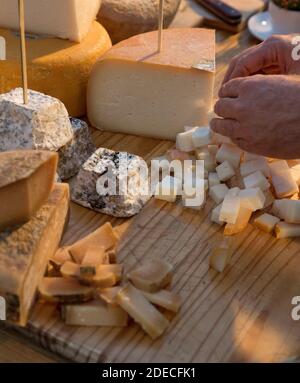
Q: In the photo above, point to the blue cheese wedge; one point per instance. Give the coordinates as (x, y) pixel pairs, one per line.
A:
(75, 152)
(43, 123)
(113, 183)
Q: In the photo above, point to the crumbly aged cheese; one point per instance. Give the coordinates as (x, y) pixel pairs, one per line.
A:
(68, 19)
(152, 276)
(26, 180)
(75, 152)
(24, 253)
(59, 68)
(113, 183)
(165, 299)
(127, 18)
(105, 237)
(134, 89)
(138, 307)
(95, 313)
(43, 123)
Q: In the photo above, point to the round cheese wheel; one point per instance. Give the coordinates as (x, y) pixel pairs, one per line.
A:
(59, 68)
(127, 18)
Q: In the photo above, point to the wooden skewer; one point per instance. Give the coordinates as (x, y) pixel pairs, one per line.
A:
(160, 24)
(23, 51)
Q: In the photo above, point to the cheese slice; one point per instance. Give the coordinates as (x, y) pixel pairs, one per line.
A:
(95, 313)
(59, 68)
(24, 253)
(134, 89)
(142, 311)
(67, 19)
(26, 180)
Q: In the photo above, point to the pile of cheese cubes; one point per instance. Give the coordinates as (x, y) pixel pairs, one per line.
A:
(239, 183)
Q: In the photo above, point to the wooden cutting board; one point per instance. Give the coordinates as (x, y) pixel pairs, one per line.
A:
(242, 315)
(192, 14)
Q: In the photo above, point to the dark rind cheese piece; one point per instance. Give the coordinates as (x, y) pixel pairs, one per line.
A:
(24, 253)
(106, 166)
(75, 152)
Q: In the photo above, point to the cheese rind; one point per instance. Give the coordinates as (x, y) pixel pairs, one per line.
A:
(26, 180)
(68, 19)
(122, 194)
(59, 68)
(43, 123)
(73, 155)
(117, 100)
(127, 18)
(24, 253)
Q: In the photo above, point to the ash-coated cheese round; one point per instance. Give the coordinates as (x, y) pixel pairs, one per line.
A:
(56, 67)
(127, 18)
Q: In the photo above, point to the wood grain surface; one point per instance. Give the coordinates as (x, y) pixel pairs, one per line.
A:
(241, 315)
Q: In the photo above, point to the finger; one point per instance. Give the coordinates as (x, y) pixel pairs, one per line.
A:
(226, 108)
(234, 62)
(231, 89)
(226, 127)
(255, 61)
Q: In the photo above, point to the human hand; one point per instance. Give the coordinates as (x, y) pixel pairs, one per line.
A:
(261, 114)
(273, 56)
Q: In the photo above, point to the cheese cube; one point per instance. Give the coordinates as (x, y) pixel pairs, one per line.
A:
(43, 123)
(213, 149)
(230, 209)
(219, 139)
(215, 215)
(266, 222)
(225, 171)
(221, 255)
(68, 19)
(134, 89)
(253, 166)
(165, 299)
(282, 179)
(175, 154)
(184, 141)
(295, 170)
(253, 199)
(230, 153)
(241, 223)
(201, 137)
(256, 180)
(194, 196)
(288, 210)
(26, 180)
(250, 157)
(218, 193)
(287, 230)
(213, 179)
(168, 189)
(203, 154)
(269, 198)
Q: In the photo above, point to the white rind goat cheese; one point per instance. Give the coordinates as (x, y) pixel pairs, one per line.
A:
(42, 124)
(125, 192)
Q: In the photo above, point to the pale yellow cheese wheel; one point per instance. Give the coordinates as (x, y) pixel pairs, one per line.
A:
(59, 68)
(127, 18)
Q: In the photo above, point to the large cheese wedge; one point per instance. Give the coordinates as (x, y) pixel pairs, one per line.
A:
(24, 254)
(67, 19)
(134, 89)
(26, 180)
(127, 18)
(59, 68)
